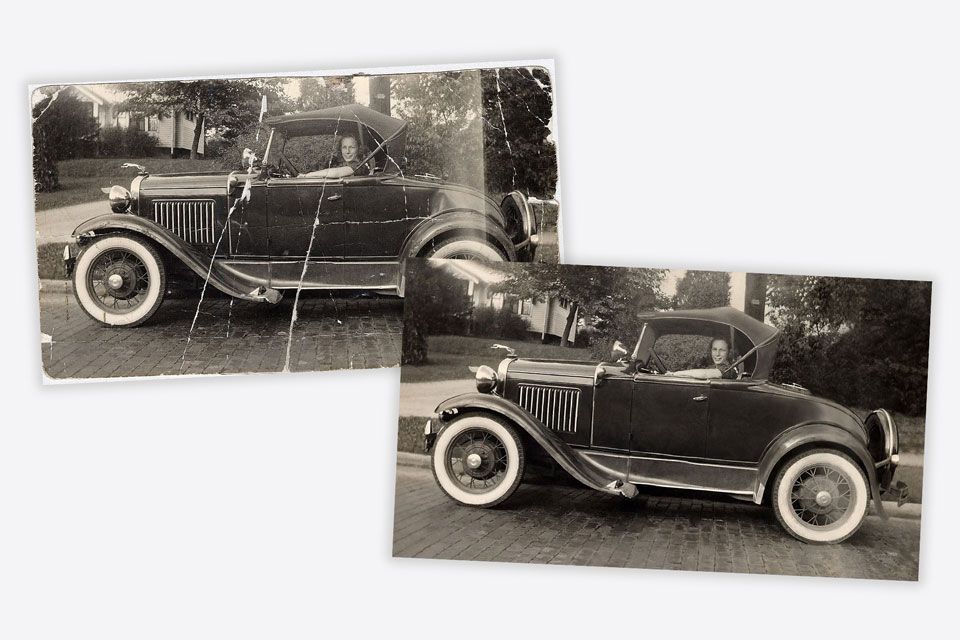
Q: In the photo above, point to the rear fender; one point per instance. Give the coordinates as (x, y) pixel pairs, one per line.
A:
(465, 222)
(228, 282)
(809, 435)
(566, 456)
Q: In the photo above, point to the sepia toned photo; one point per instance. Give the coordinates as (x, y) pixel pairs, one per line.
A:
(236, 225)
(662, 419)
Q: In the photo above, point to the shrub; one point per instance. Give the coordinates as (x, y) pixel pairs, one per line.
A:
(498, 323)
(117, 142)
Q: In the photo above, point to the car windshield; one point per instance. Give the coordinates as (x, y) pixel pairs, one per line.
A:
(673, 350)
(319, 151)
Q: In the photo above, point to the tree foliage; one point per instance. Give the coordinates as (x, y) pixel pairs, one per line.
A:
(860, 341)
(702, 290)
(487, 128)
(229, 107)
(611, 297)
(322, 93)
(68, 127)
(435, 303)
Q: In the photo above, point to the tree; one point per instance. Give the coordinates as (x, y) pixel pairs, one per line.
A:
(488, 128)
(863, 342)
(229, 106)
(611, 296)
(62, 128)
(702, 290)
(321, 93)
(436, 304)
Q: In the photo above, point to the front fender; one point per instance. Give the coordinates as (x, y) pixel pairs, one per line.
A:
(818, 434)
(226, 281)
(467, 221)
(566, 456)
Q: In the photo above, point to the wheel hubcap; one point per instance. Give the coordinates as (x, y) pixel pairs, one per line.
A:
(821, 496)
(477, 460)
(118, 281)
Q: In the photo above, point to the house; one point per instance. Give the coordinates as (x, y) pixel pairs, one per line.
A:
(173, 133)
(546, 318)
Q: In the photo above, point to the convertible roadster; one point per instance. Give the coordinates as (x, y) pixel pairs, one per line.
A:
(253, 234)
(615, 426)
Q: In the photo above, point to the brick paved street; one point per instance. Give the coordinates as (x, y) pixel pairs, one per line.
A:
(330, 333)
(561, 524)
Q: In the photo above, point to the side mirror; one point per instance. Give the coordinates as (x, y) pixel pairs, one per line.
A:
(619, 352)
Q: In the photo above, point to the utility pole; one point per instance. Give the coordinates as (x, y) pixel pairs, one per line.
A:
(380, 94)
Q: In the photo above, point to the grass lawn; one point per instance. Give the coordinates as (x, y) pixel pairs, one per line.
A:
(50, 261)
(449, 356)
(81, 179)
(410, 434)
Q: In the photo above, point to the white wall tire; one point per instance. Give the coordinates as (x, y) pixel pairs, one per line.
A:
(466, 249)
(821, 496)
(492, 480)
(119, 280)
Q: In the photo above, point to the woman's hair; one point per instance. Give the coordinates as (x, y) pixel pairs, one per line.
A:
(337, 160)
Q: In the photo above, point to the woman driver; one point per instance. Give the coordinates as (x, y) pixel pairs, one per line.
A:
(720, 357)
(349, 150)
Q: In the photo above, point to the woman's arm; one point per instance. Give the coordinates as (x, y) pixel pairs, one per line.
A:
(334, 172)
(700, 374)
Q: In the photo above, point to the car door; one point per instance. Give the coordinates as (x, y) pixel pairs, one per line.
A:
(380, 212)
(669, 416)
(292, 206)
(612, 399)
(249, 230)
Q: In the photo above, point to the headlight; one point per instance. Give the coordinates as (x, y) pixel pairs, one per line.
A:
(119, 199)
(486, 379)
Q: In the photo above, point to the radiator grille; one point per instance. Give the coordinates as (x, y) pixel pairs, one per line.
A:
(556, 407)
(192, 220)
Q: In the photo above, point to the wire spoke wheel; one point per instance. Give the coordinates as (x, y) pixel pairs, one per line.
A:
(478, 460)
(119, 279)
(821, 496)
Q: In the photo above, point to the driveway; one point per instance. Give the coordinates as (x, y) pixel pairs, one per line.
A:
(56, 225)
(561, 524)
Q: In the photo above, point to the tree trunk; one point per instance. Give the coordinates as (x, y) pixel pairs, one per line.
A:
(571, 316)
(197, 133)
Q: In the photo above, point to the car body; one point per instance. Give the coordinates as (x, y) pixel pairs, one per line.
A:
(257, 232)
(618, 425)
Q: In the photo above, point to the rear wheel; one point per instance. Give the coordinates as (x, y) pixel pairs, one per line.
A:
(119, 280)
(478, 460)
(466, 249)
(821, 496)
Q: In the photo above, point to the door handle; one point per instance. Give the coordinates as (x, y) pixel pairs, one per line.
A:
(335, 197)
(699, 398)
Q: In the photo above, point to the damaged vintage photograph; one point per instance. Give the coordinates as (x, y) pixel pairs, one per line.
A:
(262, 224)
(662, 419)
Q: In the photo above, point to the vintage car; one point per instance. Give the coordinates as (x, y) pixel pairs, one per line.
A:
(253, 234)
(614, 426)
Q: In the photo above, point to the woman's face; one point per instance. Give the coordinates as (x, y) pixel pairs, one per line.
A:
(719, 350)
(348, 149)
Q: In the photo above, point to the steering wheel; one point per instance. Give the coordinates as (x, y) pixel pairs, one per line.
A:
(294, 172)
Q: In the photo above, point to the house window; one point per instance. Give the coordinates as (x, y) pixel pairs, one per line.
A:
(523, 307)
(151, 123)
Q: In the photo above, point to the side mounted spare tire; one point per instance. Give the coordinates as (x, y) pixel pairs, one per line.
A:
(119, 280)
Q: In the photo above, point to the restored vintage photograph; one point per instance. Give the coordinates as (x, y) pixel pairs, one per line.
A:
(262, 224)
(662, 418)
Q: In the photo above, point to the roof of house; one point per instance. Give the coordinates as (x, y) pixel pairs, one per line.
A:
(100, 93)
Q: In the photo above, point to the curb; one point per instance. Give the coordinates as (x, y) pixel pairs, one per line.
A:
(56, 286)
(908, 511)
(407, 459)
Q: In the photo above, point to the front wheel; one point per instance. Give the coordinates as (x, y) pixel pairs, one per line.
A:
(478, 460)
(119, 280)
(821, 496)
(466, 249)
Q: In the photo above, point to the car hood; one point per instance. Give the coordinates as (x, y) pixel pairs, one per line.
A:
(559, 368)
(204, 180)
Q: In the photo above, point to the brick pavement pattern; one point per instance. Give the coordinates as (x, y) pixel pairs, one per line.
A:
(231, 336)
(559, 524)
